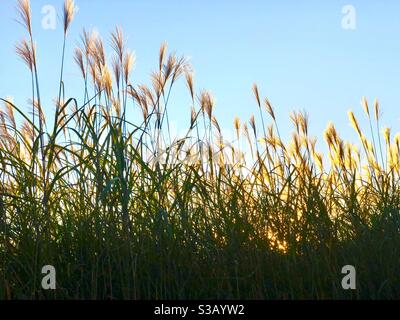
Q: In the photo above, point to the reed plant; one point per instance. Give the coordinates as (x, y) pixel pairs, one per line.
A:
(124, 210)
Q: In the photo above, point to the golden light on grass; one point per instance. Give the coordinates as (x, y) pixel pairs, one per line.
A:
(128, 210)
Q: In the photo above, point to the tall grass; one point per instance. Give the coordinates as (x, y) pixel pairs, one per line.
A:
(123, 210)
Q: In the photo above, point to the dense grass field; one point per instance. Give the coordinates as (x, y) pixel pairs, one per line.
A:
(124, 210)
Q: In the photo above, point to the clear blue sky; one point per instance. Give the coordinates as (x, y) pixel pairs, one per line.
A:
(297, 51)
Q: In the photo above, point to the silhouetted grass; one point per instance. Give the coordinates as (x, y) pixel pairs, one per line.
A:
(125, 211)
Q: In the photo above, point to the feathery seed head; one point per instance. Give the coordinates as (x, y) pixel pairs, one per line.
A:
(364, 103)
(269, 108)
(256, 94)
(24, 12)
(89, 42)
(376, 109)
(25, 52)
(69, 13)
(386, 134)
(78, 57)
(116, 66)
(253, 124)
(236, 124)
(106, 80)
(129, 62)
(193, 116)
(215, 123)
(354, 122)
(117, 43)
(163, 49)
(189, 82)
(10, 110)
(27, 131)
(207, 103)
